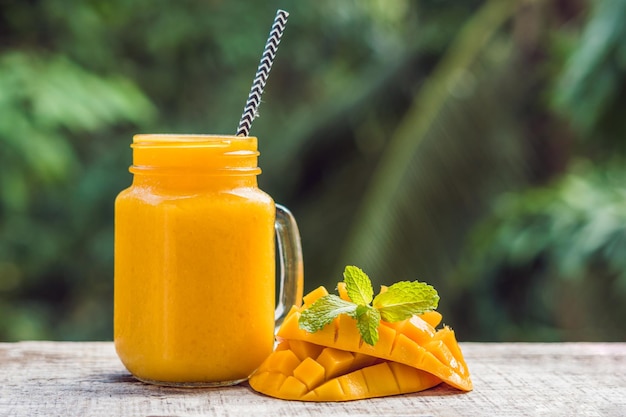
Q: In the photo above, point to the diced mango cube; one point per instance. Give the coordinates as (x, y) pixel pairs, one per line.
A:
(335, 361)
(347, 336)
(311, 297)
(361, 360)
(329, 391)
(283, 345)
(267, 382)
(407, 348)
(446, 335)
(283, 361)
(432, 317)
(414, 328)
(343, 291)
(304, 349)
(310, 372)
(386, 338)
(441, 352)
(292, 388)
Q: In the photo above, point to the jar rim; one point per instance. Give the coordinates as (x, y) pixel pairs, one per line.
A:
(188, 140)
(201, 154)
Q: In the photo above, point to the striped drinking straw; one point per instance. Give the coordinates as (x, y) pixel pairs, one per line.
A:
(250, 111)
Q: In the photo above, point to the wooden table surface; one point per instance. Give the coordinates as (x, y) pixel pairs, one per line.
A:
(510, 379)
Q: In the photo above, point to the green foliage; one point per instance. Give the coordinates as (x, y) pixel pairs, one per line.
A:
(44, 101)
(441, 167)
(575, 223)
(555, 256)
(55, 188)
(47, 200)
(456, 147)
(548, 262)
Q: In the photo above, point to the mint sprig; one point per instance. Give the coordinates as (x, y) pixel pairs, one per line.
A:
(399, 302)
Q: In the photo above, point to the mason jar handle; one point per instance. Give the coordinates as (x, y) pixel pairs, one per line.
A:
(291, 264)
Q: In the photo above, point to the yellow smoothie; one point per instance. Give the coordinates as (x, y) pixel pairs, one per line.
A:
(194, 262)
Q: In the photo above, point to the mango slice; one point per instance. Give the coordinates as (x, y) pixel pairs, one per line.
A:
(335, 375)
(335, 364)
(413, 342)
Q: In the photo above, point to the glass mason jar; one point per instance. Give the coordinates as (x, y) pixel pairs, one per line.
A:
(195, 274)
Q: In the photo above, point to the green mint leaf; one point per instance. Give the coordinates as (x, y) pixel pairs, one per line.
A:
(323, 311)
(358, 285)
(405, 299)
(368, 320)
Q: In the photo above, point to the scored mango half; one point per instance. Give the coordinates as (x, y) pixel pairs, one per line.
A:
(334, 364)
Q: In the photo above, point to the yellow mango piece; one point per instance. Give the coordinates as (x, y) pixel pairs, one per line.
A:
(346, 336)
(310, 373)
(305, 350)
(284, 345)
(329, 391)
(408, 349)
(432, 317)
(446, 335)
(270, 381)
(311, 297)
(441, 352)
(282, 361)
(292, 388)
(380, 380)
(414, 328)
(410, 379)
(362, 360)
(354, 385)
(386, 339)
(343, 292)
(335, 362)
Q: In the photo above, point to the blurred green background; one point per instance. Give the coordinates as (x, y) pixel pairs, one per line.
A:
(476, 145)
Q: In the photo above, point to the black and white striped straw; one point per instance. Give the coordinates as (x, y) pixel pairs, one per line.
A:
(250, 111)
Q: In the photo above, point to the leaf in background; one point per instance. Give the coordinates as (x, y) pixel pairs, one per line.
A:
(41, 97)
(537, 244)
(594, 74)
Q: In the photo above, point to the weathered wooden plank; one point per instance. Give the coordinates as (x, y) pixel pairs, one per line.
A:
(87, 379)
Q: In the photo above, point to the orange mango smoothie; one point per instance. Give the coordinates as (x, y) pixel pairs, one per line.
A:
(194, 262)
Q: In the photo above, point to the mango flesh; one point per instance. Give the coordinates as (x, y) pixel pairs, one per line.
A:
(334, 364)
